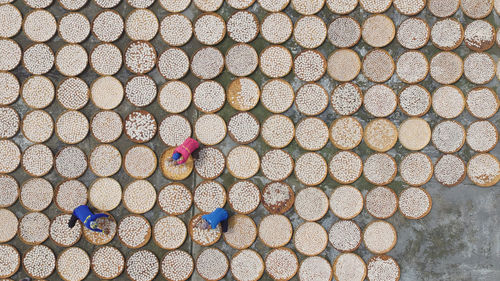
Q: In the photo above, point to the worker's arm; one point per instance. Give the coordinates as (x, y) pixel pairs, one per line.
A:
(72, 221)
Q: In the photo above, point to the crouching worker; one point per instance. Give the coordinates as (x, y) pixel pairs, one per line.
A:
(182, 152)
(85, 215)
(213, 219)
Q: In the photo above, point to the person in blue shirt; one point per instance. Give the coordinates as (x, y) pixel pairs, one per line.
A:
(213, 219)
(88, 219)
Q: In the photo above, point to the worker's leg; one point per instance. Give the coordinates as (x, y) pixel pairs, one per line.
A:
(92, 209)
(196, 154)
(72, 221)
(224, 224)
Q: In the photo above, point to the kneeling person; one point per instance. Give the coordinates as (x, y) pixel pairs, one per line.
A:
(213, 219)
(85, 215)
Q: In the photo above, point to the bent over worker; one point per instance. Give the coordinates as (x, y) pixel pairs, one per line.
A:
(213, 219)
(183, 151)
(85, 215)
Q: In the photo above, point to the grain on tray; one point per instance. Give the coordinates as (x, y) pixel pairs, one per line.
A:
(413, 33)
(349, 267)
(105, 194)
(134, 231)
(380, 100)
(346, 202)
(209, 195)
(345, 167)
(343, 32)
(311, 204)
(106, 59)
(39, 25)
(243, 26)
(380, 134)
(10, 53)
(276, 28)
(105, 160)
(244, 197)
(10, 87)
(209, 96)
(108, 26)
(39, 261)
(311, 133)
(69, 195)
(142, 265)
(383, 268)
(174, 129)
(175, 199)
(36, 194)
(275, 230)
(380, 236)
(106, 126)
(247, 265)
(141, 24)
(169, 232)
(241, 232)
(483, 169)
(9, 122)
(34, 228)
(9, 191)
(210, 129)
(241, 59)
(73, 93)
(309, 32)
(381, 202)
(173, 63)
(277, 165)
(414, 203)
(243, 127)
(71, 162)
(140, 126)
(139, 197)
(9, 224)
(209, 29)
(107, 262)
(310, 239)
(378, 30)
(307, 7)
(207, 63)
(73, 264)
(243, 162)
(176, 29)
(345, 235)
(311, 168)
(177, 265)
(448, 136)
(275, 61)
(62, 234)
(449, 170)
(38, 92)
(107, 92)
(414, 100)
(140, 57)
(281, 264)
(212, 264)
(174, 96)
(11, 20)
(309, 65)
(315, 269)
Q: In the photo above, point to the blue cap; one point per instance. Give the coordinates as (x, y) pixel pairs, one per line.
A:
(176, 156)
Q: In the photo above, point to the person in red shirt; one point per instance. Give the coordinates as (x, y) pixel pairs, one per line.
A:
(183, 151)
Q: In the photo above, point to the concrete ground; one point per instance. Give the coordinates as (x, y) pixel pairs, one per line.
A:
(458, 240)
